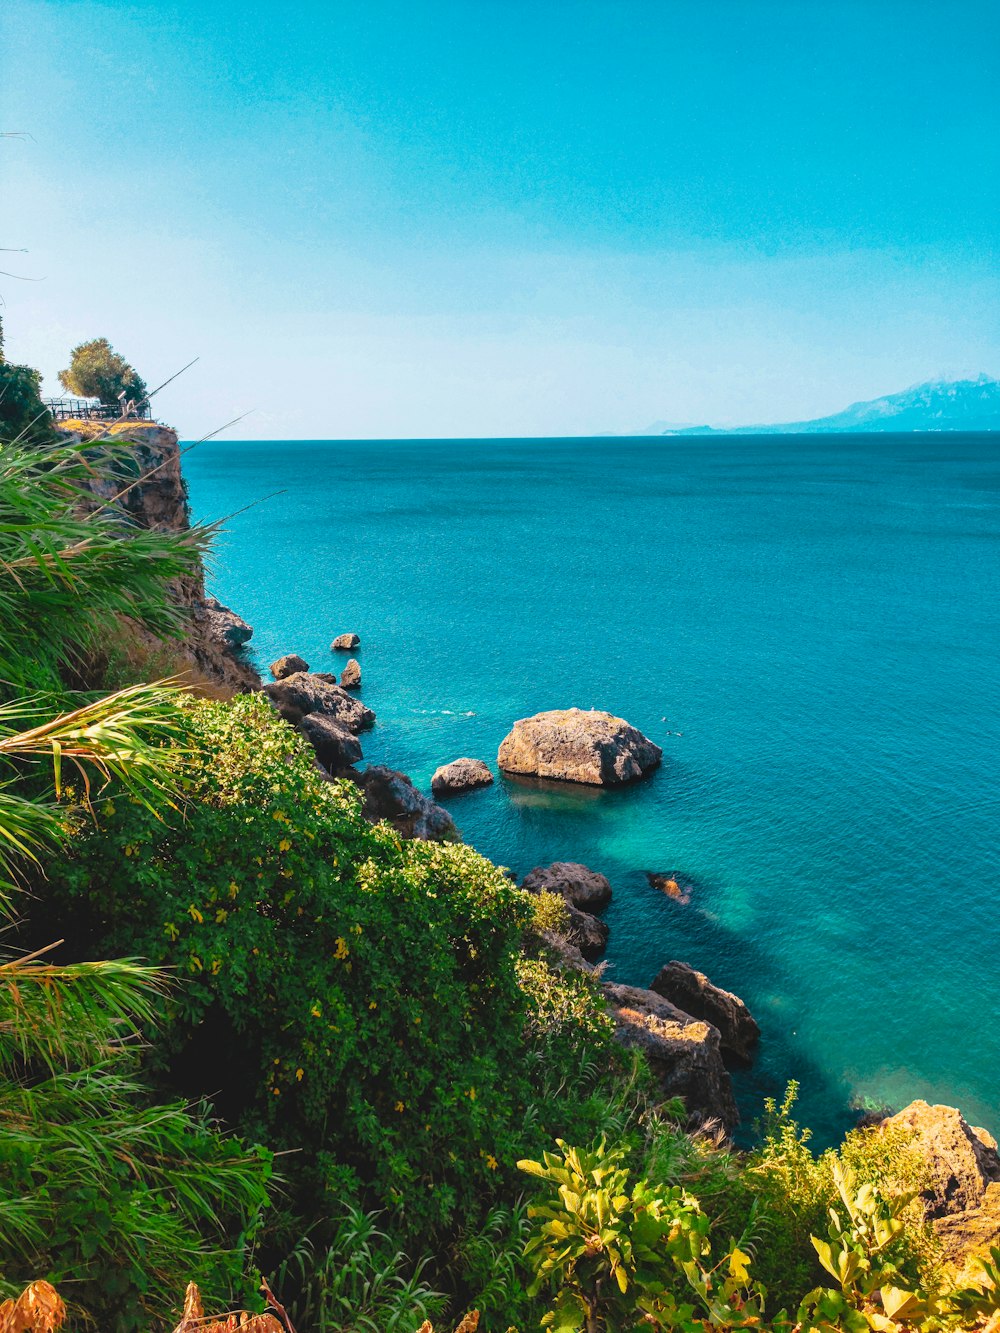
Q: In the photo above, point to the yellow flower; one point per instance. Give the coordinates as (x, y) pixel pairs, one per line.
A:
(491, 1161)
(299, 1073)
(373, 1004)
(220, 915)
(285, 845)
(216, 965)
(316, 1010)
(234, 888)
(400, 1106)
(195, 915)
(342, 950)
(196, 964)
(171, 931)
(356, 929)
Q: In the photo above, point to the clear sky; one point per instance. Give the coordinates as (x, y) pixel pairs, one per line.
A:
(489, 217)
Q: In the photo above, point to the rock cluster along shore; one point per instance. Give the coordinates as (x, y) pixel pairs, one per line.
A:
(687, 1026)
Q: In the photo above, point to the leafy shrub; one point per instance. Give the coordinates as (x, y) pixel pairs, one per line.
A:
(345, 993)
(796, 1190)
(618, 1254)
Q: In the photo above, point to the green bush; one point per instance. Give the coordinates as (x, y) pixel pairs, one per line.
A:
(346, 994)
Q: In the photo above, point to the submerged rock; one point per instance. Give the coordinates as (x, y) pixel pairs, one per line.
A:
(336, 747)
(343, 643)
(350, 677)
(392, 796)
(288, 666)
(226, 625)
(460, 775)
(696, 995)
(574, 745)
(303, 692)
(580, 886)
(683, 1052)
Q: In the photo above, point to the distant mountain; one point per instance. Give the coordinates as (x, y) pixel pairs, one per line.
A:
(665, 428)
(938, 405)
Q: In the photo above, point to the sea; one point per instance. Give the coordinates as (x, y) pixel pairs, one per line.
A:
(808, 625)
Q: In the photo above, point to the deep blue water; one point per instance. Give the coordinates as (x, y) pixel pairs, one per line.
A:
(817, 617)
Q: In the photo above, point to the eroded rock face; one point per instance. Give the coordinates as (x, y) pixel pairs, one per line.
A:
(962, 1160)
(343, 643)
(303, 693)
(460, 775)
(696, 995)
(288, 666)
(573, 745)
(336, 747)
(685, 1053)
(350, 677)
(227, 625)
(580, 886)
(391, 795)
(156, 499)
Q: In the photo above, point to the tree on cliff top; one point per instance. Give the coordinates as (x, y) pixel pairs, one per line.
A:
(96, 370)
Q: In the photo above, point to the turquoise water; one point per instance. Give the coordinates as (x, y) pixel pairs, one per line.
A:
(808, 626)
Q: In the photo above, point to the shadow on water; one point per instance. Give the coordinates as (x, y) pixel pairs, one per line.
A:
(692, 933)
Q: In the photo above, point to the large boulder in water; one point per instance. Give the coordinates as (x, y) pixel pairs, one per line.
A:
(392, 796)
(696, 995)
(343, 643)
(304, 692)
(460, 775)
(579, 885)
(683, 1052)
(574, 745)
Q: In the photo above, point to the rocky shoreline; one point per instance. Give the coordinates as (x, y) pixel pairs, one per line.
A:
(691, 1030)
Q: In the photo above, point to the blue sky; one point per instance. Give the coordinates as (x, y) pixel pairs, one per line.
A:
(494, 217)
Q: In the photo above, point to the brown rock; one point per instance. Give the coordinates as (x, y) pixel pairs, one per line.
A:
(343, 643)
(962, 1161)
(573, 745)
(336, 747)
(460, 775)
(226, 625)
(568, 954)
(970, 1234)
(350, 677)
(303, 692)
(696, 995)
(588, 933)
(684, 1052)
(392, 796)
(580, 886)
(288, 666)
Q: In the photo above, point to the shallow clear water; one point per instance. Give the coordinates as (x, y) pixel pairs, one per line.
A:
(818, 620)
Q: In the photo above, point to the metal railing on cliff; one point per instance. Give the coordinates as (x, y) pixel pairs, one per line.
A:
(90, 409)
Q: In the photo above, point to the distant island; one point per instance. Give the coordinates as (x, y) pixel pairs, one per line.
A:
(966, 405)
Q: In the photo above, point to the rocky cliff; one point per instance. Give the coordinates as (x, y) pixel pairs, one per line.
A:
(155, 497)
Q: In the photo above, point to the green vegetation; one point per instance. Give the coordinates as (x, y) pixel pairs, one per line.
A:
(378, 1022)
(96, 370)
(22, 413)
